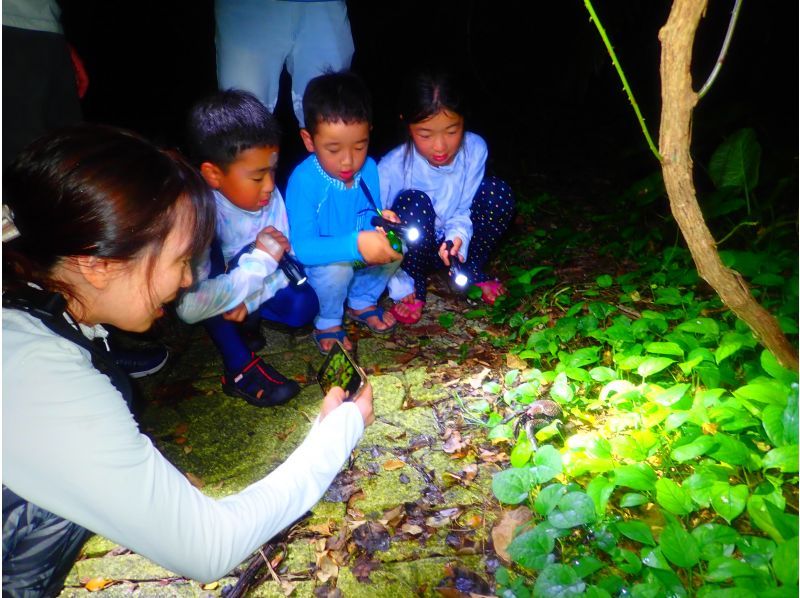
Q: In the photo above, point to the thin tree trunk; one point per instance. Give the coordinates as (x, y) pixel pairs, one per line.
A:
(678, 102)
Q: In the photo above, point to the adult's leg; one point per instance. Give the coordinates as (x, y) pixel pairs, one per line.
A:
(324, 41)
(415, 207)
(491, 213)
(253, 39)
(39, 91)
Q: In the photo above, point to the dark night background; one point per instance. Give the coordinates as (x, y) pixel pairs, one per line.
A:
(543, 91)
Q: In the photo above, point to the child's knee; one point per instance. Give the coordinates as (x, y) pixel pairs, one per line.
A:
(413, 205)
(306, 306)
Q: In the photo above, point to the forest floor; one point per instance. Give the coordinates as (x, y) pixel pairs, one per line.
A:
(412, 512)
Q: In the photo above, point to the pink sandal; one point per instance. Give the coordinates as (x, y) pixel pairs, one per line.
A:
(491, 290)
(413, 311)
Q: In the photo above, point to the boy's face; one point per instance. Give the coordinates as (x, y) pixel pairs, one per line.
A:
(341, 148)
(248, 182)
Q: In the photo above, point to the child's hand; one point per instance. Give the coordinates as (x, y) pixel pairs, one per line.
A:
(237, 314)
(390, 216)
(336, 396)
(445, 254)
(375, 249)
(272, 241)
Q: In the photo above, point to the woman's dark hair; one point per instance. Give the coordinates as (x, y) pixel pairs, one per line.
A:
(427, 92)
(93, 190)
(226, 123)
(336, 96)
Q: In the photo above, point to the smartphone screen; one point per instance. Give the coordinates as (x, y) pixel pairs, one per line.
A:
(339, 369)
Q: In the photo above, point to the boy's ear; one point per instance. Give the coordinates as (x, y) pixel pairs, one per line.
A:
(308, 140)
(97, 271)
(212, 174)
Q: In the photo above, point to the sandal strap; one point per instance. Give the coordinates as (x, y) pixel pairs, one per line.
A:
(366, 315)
(337, 334)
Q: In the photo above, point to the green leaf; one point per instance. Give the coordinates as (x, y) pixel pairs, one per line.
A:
(501, 431)
(558, 581)
(574, 509)
(586, 565)
(638, 476)
(699, 486)
(653, 365)
(633, 499)
(694, 449)
(673, 498)
(724, 567)
(790, 418)
(561, 390)
(654, 558)
(578, 374)
(715, 540)
(772, 420)
(628, 561)
(492, 388)
(652, 589)
(770, 519)
(679, 547)
(511, 486)
(602, 374)
(446, 320)
(736, 162)
(521, 453)
(664, 349)
(729, 501)
(725, 350)
(604, 281)
(600, 490)
(532, 549)
(770, 365)
(705, 326)
(784, 458)
(581, 357)
(548, 498)
(731, 450)
(511, 377)
(546, 464)
(771, 393)
(667, 397)
(784, 563)
(636, 530)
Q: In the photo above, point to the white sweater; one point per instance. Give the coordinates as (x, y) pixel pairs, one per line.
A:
(71, 446)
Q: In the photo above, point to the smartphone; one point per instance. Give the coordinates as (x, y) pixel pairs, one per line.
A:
(339, 369)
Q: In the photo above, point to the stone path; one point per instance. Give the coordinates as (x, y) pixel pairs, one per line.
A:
(411, 512)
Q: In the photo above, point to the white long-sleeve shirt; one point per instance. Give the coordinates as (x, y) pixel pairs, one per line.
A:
(451, 188)
(256, 278)
(71, 446)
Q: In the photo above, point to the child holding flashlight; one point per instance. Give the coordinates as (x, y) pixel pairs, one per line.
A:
(436, 181)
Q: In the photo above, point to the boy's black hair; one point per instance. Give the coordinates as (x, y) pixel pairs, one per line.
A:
(336, 96)
(227, 123)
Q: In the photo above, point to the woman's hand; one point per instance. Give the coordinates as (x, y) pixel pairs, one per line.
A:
(272, 241)
(445, 254)
(336, 396)
(237, 314)
(375, 249)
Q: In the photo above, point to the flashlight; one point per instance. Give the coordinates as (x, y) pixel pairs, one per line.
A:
(394, 230)
(457, 274)
(293, 269)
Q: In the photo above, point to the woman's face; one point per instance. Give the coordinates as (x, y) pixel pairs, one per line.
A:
(134, 298)
(438, 138)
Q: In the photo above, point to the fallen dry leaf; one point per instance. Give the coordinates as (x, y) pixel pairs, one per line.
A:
(181, 440)
(503, 531)
(393, 464)
(453, 442)
(411, 529)
(211, 586)
(323, 529)
(393, 516)
(187, 449)
(515, 363)
(194, 480)
(95, 584)
(326, 568)
(476, 381)
(181, 429)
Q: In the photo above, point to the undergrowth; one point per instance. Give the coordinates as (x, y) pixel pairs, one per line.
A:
(674, 469)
